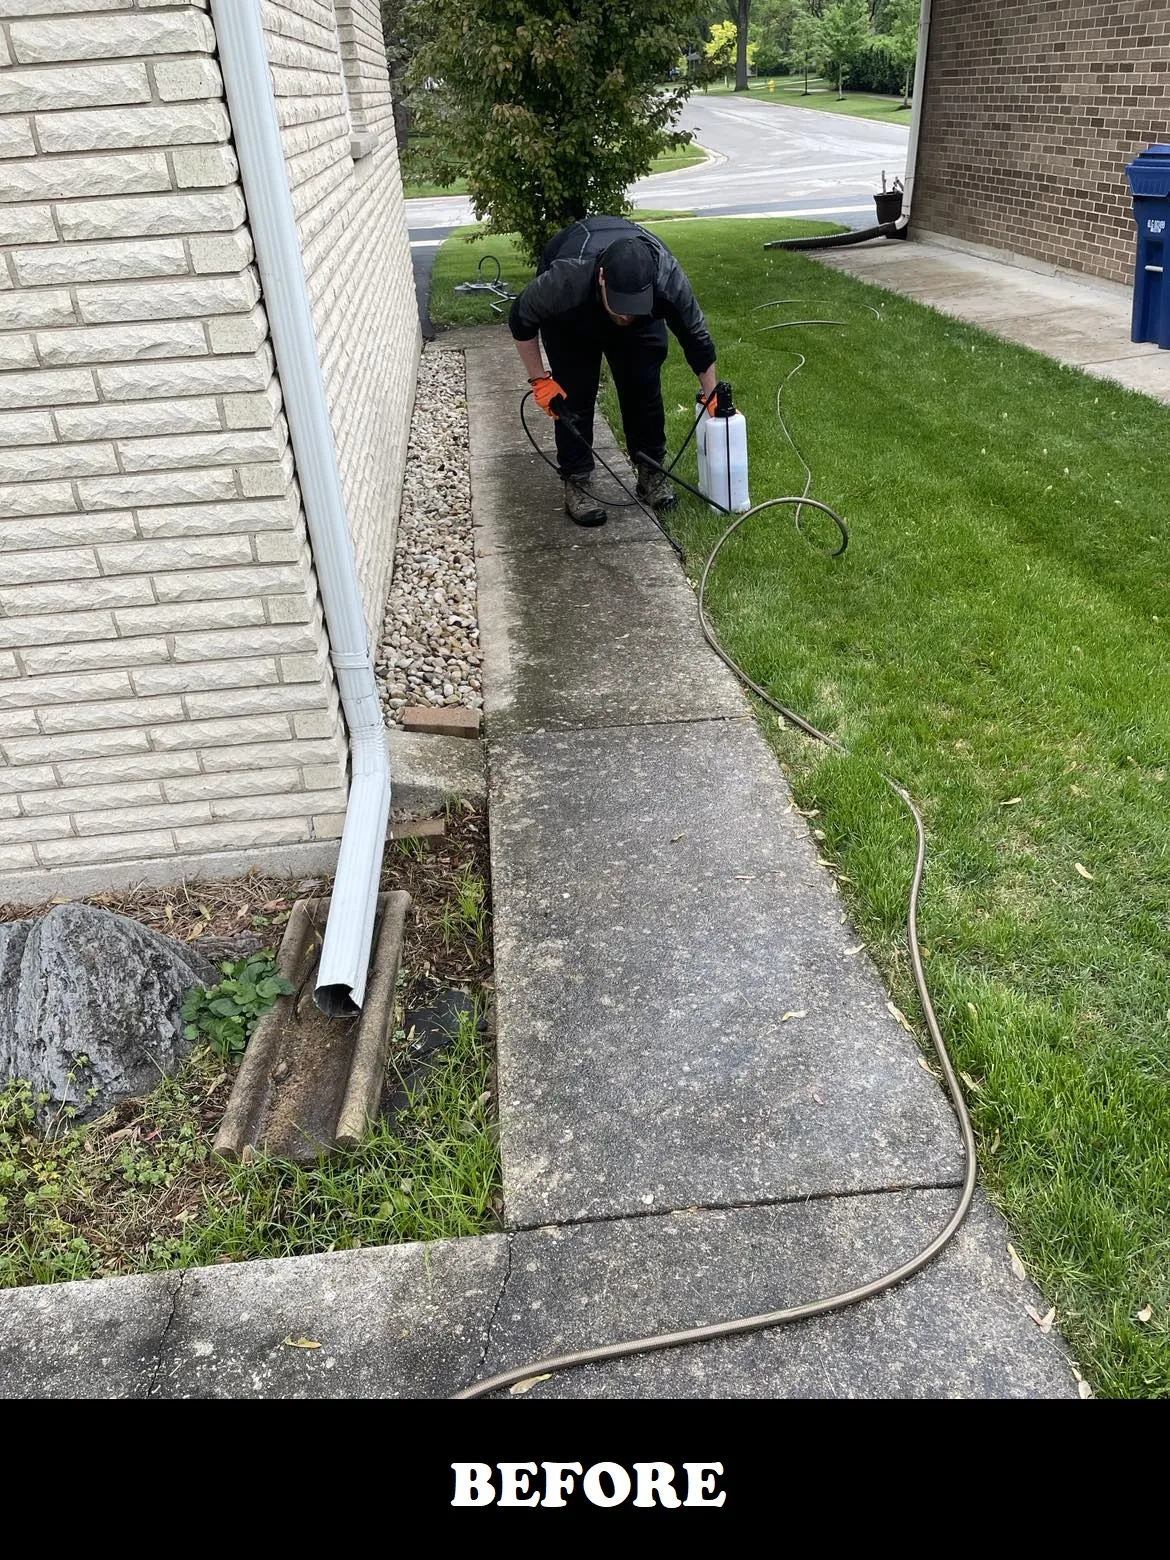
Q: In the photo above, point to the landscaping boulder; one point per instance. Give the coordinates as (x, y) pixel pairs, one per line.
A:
(83, 982)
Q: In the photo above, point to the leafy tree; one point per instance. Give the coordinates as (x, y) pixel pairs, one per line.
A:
(844, 31)
(900, 19)
(720, 47)
(805, 41)
(730, 42)
(551, 109)
(771, 32)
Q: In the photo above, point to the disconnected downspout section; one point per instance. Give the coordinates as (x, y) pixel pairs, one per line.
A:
(243, 58)
(916, 108)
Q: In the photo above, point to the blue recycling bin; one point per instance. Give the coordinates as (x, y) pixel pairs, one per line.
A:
(1149, 180)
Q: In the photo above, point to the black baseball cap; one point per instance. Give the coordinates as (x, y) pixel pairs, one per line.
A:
(629, 267)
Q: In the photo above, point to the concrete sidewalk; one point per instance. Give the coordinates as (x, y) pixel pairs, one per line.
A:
(706, 1108)
(1078, 320)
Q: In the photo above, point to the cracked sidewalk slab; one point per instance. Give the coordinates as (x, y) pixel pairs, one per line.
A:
(419, 1322)
(958, 1330)
(97, 1338)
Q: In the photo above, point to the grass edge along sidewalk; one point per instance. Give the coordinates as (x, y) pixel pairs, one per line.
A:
(994, 638)
(788, 92)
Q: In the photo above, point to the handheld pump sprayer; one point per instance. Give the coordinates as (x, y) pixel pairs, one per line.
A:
(721, 442)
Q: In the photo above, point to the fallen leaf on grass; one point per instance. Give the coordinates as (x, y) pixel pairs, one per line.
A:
(1043, 1322)
(794, 1013)
(302, 1343)
(926, 1067)
(1018, 1267)
(849, 952)
(900, 1016)
(1145, 1313)
(1084, 872)
(969, 1081)
(528, 1383)
(1012, 801)
(1084, 1389)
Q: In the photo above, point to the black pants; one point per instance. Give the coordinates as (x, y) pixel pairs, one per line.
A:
(635, 354)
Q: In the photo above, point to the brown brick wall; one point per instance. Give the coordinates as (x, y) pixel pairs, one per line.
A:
(1031, 112)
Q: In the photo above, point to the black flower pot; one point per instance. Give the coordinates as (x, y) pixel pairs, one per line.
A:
(889, 205)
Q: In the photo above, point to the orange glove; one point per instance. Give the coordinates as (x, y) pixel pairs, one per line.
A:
(709, 403)
(545, 391)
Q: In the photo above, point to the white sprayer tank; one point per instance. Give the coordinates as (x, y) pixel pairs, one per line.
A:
(701, 421)
(723, 456)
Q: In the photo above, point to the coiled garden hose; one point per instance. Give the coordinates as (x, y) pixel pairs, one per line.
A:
(738, 1326)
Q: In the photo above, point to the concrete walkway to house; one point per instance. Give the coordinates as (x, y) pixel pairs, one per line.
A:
(1079, 320)
(707, 1108)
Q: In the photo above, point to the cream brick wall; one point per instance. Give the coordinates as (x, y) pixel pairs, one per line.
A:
(165, 692)
(343, 168)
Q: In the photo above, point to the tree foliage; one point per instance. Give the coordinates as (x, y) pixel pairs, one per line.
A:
(805, 41)
(901, 35)
(399, 36)
(843, 32)
(721, 47)
(771, 33)
(550, 109)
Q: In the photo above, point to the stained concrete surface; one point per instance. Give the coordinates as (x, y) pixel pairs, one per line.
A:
(1081, 321)
(685, 1015)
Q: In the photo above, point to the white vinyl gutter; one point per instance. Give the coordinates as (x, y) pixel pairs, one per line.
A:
(243, 58)
(916, 107)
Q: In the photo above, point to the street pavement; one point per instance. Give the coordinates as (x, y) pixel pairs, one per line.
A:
(768, 160)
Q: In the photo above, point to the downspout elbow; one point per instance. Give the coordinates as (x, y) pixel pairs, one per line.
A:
(349, 932)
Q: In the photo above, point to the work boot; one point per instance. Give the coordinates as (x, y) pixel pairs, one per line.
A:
(581, 506)
(654, 489)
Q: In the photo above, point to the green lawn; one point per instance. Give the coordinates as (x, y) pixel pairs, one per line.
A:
(789, 91)
(668, 162)
(457, 260)
(995, 638)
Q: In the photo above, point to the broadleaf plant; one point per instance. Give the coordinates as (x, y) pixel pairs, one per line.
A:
(226, 1014)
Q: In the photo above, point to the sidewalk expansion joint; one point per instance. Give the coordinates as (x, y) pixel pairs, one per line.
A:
(157, 1362)
(518, 733)
(952, 1184)
(600, 541)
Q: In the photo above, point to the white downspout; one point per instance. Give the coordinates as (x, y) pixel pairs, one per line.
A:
(916, 106)
(243, 58)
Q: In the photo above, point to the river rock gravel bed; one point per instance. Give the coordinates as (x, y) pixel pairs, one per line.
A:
(429, 651)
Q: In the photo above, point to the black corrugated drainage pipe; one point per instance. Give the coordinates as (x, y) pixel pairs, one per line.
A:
(839, 240)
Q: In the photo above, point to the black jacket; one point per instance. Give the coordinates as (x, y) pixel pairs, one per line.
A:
(565, 292)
